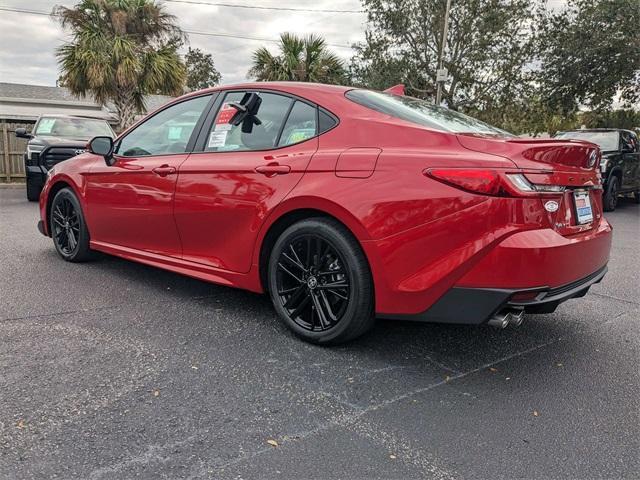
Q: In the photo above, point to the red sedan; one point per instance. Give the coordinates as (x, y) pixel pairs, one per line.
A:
(343, 204)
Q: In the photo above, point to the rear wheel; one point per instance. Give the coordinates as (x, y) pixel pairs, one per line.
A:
(320, 282)
(33, 190)
(68, 227)
(610, 199)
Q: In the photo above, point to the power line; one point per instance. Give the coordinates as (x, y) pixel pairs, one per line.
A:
(260, 7)
(192, 32)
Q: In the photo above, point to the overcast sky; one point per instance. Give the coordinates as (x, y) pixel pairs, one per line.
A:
(28, 42)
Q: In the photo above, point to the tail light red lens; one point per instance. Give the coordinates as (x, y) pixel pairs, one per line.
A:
(492, 182)
(486, 182)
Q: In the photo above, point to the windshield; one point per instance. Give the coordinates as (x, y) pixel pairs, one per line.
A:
(73, 127)
(422, 112)
(607, 141)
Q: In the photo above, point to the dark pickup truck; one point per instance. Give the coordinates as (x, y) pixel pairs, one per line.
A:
(620, 165)
(56, 138)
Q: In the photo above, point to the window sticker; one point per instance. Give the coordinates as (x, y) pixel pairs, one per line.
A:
(217, 139)
(223, 127)
(300, 134)
(46, 125)
(175, 133)
(225, 114)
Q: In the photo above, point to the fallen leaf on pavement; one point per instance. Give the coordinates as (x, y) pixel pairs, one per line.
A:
(535, 413)
(156, 393)
(491, 369)
(273, 443)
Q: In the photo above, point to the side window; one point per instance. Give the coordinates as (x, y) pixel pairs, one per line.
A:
(301, 124)
(166, 132)
(326, 121)
(633, 139)
(627, 142)
(224, 137)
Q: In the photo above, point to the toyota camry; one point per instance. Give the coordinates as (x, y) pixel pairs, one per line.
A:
(343, 204)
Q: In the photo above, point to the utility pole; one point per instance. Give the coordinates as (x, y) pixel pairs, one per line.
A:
(441, 73)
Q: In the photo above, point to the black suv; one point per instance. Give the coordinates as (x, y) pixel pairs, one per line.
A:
(620, 165)
(56, 138)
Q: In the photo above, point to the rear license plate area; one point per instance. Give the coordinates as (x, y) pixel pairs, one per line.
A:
(584, 212)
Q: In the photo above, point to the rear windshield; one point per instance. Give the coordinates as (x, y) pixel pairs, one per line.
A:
(73, 127)
(607, 141)
(422, 112)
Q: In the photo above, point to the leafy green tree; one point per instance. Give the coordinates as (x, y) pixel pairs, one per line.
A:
(121, 51)
(590, 54)
(201, 71)
(301, 59)
(488, 49)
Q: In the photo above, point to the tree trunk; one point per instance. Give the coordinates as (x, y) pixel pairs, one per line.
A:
(126, 109)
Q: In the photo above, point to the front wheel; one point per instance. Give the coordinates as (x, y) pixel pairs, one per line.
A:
(610, 199)
(68, 227)
(320, 282)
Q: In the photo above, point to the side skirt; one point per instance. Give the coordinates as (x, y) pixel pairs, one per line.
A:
(244, 281)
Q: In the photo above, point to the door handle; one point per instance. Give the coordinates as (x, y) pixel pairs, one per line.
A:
(164, 170)
(273, 169)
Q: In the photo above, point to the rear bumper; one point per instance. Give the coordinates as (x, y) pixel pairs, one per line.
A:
(477, 305)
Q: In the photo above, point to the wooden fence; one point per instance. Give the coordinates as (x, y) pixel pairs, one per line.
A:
(12, 150)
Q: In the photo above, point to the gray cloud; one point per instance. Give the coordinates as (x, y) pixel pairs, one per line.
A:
(28, 42)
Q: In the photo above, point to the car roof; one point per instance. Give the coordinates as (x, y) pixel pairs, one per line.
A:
(61, 115)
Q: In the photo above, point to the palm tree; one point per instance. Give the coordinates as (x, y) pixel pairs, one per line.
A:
(121, 51)
(301, 59)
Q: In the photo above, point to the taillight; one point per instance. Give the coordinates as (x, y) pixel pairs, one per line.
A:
(491, 182)
(486, 182)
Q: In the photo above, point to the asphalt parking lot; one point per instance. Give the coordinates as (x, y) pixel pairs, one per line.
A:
(115, 370)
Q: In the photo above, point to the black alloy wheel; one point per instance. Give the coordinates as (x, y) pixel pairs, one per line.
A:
(320, 282)
(68, 228)
(313, 285)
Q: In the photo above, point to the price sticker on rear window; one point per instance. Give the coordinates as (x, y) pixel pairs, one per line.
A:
(225, 114)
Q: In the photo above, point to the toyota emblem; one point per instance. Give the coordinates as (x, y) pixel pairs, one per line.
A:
(551, 206)
(79, 151)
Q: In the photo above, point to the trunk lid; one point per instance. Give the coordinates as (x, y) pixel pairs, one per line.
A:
(537, 154)
(567, 163)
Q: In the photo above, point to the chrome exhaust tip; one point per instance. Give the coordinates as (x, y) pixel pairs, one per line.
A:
(517, 317)
(500, 319)
(507, 317)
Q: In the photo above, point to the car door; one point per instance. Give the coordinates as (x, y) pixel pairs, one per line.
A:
(225, 191)
(131, 201)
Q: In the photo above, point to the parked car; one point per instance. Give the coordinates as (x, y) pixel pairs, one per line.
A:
(56, 138)
(343, 204)
(620, 164)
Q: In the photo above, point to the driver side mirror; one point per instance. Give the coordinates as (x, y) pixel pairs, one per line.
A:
(102, 146)
(22, 133)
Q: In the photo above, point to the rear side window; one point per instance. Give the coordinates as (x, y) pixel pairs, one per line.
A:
(422, 112)
(225, 137)
(325, 121)
(301, 124)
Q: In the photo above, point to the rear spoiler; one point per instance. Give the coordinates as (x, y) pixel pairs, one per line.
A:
(396, 90)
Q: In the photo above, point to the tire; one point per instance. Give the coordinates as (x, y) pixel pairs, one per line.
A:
(33, 191)
(610, 199)
(636, 196)
(68, 227)
(320, 282)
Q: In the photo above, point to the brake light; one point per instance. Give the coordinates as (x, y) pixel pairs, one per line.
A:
(486, 182)
(492, 182)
